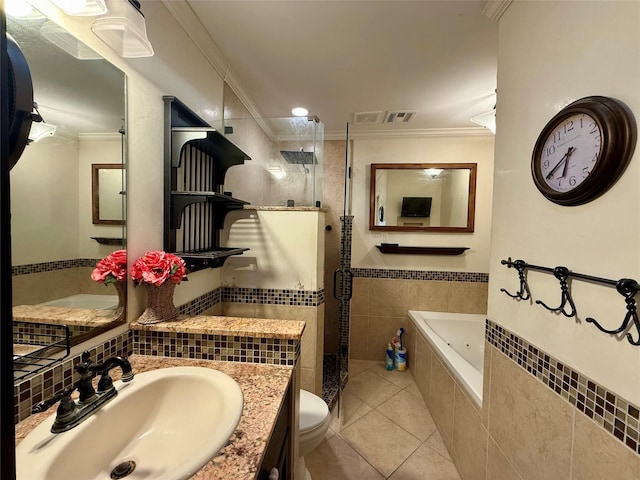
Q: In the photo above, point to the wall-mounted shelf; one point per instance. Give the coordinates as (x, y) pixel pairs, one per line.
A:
(108, 240)
(397, 249)
(38, 346)
(197, 158)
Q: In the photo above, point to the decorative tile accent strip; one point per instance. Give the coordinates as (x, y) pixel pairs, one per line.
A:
(226, 348)
(43, 333)
(617, 416)
(421, 275)
(45, 384)
(271, 296)
(52, 266)
(201, 304)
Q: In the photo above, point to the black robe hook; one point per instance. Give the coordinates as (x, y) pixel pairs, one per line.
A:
(562, 274)
(523, 293)
(628, 288)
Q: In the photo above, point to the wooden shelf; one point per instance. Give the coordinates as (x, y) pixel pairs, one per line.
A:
(108, 240)
(397, 249)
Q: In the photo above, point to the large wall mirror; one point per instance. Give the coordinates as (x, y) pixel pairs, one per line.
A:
(81, 99)
(430, 197)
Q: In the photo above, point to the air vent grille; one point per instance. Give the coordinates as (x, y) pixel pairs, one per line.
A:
(367, 117)
(399, 116)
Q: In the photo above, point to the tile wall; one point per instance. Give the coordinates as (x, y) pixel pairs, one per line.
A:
(382, 297)
(540, 419)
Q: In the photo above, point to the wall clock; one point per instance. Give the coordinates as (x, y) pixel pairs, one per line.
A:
(583, 150)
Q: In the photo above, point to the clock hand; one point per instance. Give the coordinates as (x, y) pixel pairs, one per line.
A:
(566, 162)
(564, 157)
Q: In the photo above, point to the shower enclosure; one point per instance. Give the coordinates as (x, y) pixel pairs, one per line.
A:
(286, 160)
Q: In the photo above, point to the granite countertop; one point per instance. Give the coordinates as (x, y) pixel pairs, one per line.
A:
(263, 387)
(232, 326)
(85, 317)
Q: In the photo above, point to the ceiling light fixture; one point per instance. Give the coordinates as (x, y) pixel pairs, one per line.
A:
(300, 111)
(83, 8)
(123, 28)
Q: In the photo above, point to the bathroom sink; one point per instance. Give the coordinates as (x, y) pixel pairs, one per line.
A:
(165, 424)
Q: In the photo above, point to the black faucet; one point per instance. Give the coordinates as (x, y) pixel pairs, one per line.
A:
(71, 413)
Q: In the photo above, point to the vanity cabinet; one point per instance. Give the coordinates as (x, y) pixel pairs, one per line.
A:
(278, 461)
(197, 158)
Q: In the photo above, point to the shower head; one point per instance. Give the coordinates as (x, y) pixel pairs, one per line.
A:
(302, 158)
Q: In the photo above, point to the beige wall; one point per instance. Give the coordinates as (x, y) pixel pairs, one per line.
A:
(546, 60)
(427, 149)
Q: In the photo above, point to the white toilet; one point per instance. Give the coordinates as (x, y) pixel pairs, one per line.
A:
(314, 423)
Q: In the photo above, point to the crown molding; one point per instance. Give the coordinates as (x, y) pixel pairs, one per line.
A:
(409, 133)
(494, 9)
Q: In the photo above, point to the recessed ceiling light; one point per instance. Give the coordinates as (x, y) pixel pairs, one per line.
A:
(300, 111)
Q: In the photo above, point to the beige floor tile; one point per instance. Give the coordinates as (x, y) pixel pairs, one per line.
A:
(371, 388)
(401, 379)
(380, 442)
(410, 413)
(435, 441)
(426, 463)
(351, 409)
(356, 367)
(336, 460)
(413, 390)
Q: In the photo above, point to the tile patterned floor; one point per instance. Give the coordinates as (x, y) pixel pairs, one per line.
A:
(384, 431)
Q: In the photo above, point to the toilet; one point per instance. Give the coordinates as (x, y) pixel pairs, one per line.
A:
(313, 425)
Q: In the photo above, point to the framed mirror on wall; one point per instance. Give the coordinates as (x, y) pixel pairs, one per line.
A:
(81, 100)
(429, 197)
(106, 193)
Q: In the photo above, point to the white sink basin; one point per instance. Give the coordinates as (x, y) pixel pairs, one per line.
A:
(170, 422)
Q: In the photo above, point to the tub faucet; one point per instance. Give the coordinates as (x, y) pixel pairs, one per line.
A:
(71, 413)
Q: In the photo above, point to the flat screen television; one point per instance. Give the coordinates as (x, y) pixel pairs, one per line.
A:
(416, 207)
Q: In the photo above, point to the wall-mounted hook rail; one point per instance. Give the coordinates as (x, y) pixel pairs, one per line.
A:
(627, 287)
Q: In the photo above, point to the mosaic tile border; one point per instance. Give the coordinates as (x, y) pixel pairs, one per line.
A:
(226, 348)
(52, 266)
(45, 384)
(272, 296)
(476, 277)
(201, 304)
(617, 416)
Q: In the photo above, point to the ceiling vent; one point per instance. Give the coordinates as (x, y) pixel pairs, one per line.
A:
(367, 117)
(399, 116)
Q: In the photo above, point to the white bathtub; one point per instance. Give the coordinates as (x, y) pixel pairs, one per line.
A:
(85, 300)
(459, 340)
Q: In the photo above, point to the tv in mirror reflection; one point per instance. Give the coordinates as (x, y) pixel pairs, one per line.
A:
(416, 207)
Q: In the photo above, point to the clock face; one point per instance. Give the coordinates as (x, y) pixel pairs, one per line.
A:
(570, 152)
(583, 150)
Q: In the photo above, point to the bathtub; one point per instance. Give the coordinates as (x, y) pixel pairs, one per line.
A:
(458, 338)
(85, 300)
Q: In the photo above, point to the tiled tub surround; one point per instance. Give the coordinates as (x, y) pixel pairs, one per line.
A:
(539, 418)
(40, 282)
(382, 297)
(263, 388)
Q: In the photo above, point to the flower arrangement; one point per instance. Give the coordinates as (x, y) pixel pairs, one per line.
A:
(111, 269)
(157, 267)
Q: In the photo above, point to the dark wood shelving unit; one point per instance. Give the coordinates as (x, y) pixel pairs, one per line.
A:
(197, 158)
(397, 249)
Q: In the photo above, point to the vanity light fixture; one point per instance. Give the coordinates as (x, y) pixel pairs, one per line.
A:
(299, 112)
(84, 8)
(123, 28)
(39, 129)
(433, 172)
(62, 39)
